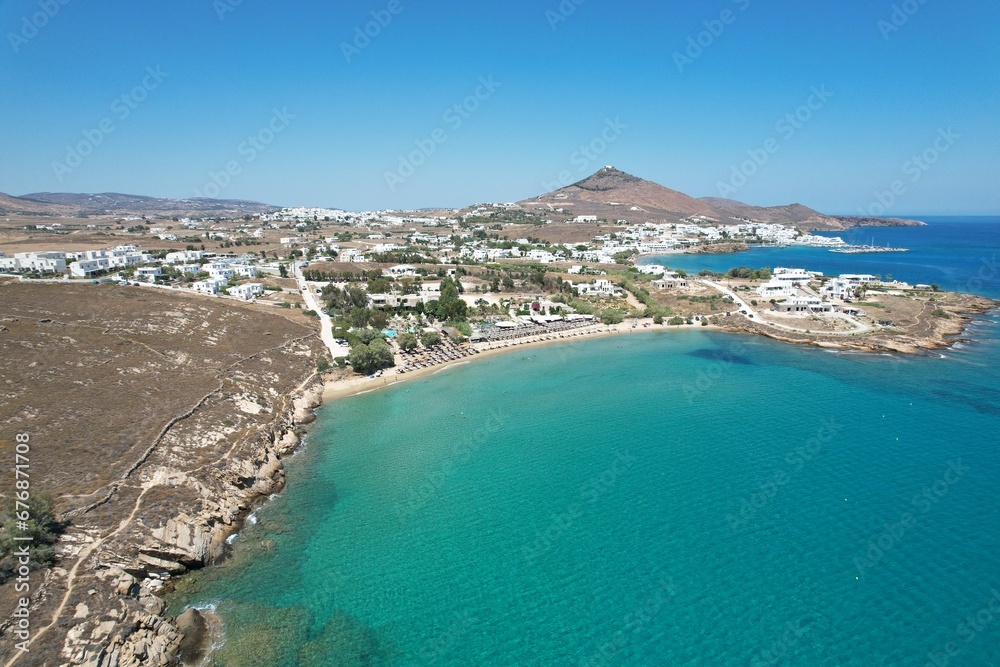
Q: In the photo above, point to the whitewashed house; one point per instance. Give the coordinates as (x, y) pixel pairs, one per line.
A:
(210, 286)
(599, 287)
(247, 291)
(184, 257)
(148, 274)
(190, 269)
(245, 271)
(776, 288)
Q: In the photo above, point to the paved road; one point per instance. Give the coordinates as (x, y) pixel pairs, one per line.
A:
(326, 323)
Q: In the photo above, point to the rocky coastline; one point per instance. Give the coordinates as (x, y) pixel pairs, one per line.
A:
(135, 570)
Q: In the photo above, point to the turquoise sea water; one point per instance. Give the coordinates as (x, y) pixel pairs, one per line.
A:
(668, 498)
(956, 253)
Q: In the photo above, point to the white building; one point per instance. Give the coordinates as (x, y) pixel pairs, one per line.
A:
(796, 277)
(802, 304)
(838, 289)
(400, 270)
(669, 282)
(148, 274)
(245, 271)
(599, 287)
(247, 291)
(224, 275)
(776, 288)
(184, 257)
(35, 262)
(209, 286)
(857, 278)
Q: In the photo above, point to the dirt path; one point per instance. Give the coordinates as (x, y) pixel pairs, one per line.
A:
(89, 550)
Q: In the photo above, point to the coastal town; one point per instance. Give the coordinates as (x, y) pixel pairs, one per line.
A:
(492, 275)
(225, 332)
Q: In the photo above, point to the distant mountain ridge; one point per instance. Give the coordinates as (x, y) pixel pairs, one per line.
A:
(615, 195)
(111, 203)
(609, 194)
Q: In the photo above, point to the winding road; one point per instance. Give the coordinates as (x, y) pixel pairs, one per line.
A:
(752, 313)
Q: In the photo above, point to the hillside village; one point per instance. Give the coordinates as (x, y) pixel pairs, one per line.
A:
(515, 275)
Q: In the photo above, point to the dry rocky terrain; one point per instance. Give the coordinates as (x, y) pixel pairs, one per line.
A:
(157, 421)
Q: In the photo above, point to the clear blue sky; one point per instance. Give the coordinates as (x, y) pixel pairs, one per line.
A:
(560, 82)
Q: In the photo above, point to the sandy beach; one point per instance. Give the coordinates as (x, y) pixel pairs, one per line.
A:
(342, 388)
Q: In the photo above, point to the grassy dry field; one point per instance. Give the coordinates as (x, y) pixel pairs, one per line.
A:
(135, 392)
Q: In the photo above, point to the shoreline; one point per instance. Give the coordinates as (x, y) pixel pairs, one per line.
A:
(342, 388)
(333, 389)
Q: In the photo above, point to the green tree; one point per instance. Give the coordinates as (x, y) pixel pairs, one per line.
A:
(283, 270)
(41, 526)
(407, 341)
(368, 336)
(360, 317)
(375, 356)
(430, 338)
(379, 319)
(612, 316)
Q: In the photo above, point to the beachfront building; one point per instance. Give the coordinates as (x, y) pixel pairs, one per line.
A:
(776, 288)
(838, 289)
(651, 269)
(803, 304)
(857, 279)
(797, 277)
(247, 291)
(599, 287)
